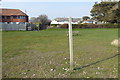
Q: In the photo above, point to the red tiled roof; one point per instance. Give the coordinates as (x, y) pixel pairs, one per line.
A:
(10, 12)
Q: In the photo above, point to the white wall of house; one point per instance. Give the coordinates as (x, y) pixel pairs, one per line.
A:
(14, 22)
(89, 22)
(65, 22)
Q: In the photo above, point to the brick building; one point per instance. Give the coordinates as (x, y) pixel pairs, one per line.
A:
(13, 16)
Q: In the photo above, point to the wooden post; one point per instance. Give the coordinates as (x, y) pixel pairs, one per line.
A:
(38, 26)
(70, 43)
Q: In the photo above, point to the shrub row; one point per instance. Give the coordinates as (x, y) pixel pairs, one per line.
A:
(91, 26)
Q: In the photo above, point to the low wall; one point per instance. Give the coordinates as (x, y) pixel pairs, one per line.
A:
(14, 27)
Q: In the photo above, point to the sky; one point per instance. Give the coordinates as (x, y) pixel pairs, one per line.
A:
(50, 0)
(52, 8)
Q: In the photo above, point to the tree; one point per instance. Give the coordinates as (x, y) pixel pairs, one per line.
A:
(33, 19)
(42, 20)
(106, 12)
(85, 18)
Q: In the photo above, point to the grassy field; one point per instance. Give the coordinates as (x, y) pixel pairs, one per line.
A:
(45, 54)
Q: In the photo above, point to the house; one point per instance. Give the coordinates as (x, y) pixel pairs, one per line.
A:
(13, 16)
(65, 21)
(89, 21)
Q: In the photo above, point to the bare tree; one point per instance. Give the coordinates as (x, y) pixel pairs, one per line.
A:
(42, 20)
(33, 19)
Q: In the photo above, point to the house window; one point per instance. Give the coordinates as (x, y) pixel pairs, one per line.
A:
(2, 17)
(8, 22)
(8, 17)
(14, 17)
(21, 17)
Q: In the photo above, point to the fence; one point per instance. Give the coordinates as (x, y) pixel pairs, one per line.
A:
(14, 27)
(17, 27)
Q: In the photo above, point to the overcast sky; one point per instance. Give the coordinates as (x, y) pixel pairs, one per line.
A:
(52, 8)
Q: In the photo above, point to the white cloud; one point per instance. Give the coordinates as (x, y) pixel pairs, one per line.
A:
(50, 0)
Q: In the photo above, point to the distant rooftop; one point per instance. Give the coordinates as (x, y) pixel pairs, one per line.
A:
(63, 19)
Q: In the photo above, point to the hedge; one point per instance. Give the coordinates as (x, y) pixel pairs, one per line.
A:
(91, 26)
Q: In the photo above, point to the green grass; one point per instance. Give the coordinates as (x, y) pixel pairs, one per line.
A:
(31, 54)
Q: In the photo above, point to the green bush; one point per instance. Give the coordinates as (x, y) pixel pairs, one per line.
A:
(98, 26)
(55, 25)
(90, 26)
(64, 26)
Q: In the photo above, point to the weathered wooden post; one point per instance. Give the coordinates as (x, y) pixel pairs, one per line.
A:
(70, 43)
